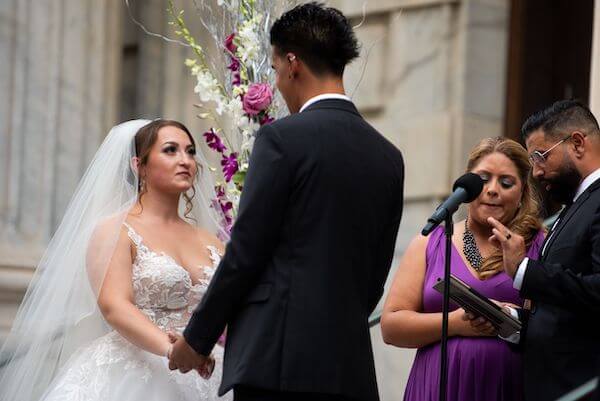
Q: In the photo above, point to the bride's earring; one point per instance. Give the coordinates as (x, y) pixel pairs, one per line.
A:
(142, 185)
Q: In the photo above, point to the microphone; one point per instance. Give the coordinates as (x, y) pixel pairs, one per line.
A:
(465, 189)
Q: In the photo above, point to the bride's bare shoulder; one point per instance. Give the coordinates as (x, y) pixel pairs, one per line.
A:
(110, 228)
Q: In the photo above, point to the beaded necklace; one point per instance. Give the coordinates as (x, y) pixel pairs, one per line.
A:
(470, 248)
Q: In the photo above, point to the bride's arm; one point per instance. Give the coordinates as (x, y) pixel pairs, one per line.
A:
(116, 302)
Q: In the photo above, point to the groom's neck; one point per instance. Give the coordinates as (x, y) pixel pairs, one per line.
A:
(317, 86)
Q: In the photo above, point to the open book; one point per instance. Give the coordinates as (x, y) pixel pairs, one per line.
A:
(472, 301)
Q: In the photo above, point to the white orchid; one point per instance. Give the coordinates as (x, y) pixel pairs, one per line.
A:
(248, 40)
(207, 86)
(241, 106)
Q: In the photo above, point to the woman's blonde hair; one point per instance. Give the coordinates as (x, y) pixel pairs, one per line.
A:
(526, 222)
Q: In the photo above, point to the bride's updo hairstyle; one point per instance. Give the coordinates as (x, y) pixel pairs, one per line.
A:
(145, 139)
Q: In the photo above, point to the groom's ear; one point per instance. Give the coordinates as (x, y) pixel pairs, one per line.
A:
(293, 64)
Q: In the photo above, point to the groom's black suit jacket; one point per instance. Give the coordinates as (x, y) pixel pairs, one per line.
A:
(308, 256)
(562, 335)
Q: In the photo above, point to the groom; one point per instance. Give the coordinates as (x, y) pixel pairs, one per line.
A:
(314, 238)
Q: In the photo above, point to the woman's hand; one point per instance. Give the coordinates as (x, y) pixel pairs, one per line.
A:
(465, 324)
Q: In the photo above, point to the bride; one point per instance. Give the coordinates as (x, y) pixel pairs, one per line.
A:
(122, 272)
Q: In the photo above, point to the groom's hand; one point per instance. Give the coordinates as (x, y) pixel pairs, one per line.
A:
(185, 358)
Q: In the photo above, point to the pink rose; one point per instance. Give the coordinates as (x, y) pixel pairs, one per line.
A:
(229, 45)
(257, 99)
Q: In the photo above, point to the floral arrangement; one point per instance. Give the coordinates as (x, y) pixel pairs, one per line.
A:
(235, 90)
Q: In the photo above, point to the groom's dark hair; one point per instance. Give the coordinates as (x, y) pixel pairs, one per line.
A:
(320, 36)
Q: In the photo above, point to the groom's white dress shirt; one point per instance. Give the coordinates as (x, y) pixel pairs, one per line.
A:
(324, 96)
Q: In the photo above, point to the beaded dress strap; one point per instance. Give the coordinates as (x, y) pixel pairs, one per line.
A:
(215, 256)
(134, 236)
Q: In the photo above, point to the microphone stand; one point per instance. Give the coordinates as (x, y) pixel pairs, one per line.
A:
(448, 231)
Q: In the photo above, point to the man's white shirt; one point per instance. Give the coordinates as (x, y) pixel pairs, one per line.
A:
(324, 96)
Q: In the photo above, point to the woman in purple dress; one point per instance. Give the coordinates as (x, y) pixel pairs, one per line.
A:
(481, 365)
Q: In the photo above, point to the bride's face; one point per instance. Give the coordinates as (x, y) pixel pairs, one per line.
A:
(171, 165)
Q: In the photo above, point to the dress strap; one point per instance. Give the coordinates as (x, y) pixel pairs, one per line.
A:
(435, 252)
(215, 256)
(134, 236)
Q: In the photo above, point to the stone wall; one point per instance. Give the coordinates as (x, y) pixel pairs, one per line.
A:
(59, 81)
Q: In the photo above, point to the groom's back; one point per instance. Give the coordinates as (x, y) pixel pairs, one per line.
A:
(327, 271)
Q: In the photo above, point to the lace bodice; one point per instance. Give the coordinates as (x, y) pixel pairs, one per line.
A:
(163, 290)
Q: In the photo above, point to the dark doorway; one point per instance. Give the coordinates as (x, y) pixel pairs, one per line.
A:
(550, 48)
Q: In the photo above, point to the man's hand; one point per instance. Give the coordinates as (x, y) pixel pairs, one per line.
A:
(513, 246)
(185, 358)
(480, 324)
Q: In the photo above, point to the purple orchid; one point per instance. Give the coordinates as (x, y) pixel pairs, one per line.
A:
(229, 45)
(224, 206)
(214, 141)
(230, 166)
(220, 192)
(237, 79)
(234, 65)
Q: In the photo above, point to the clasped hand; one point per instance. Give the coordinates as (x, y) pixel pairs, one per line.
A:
(481, 325)
(185, 358)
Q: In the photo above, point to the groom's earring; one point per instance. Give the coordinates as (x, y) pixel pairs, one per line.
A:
(290, 59)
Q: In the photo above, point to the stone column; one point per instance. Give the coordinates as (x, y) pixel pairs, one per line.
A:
(164, 85)
(595, 70)
(59, 79)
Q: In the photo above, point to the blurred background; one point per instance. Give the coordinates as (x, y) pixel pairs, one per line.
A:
(434, 76)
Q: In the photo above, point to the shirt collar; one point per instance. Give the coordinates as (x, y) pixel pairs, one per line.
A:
(585, 184)
(323, 96)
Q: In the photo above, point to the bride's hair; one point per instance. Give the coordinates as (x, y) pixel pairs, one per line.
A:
(145, 138)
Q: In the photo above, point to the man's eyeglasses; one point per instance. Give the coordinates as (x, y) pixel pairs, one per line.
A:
(538, 157)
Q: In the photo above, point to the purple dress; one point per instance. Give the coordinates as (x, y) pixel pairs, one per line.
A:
(479, 368)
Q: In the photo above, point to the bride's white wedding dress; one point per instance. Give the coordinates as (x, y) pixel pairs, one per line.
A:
(111, 368)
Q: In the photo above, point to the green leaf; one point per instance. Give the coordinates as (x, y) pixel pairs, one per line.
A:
(238, 178)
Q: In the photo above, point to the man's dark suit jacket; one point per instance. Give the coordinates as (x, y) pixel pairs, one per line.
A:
(308, 256)
(562, 334)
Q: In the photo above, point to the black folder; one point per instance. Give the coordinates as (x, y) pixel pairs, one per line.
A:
(472, 301)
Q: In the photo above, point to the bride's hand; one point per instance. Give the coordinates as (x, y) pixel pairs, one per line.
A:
(184, 358)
